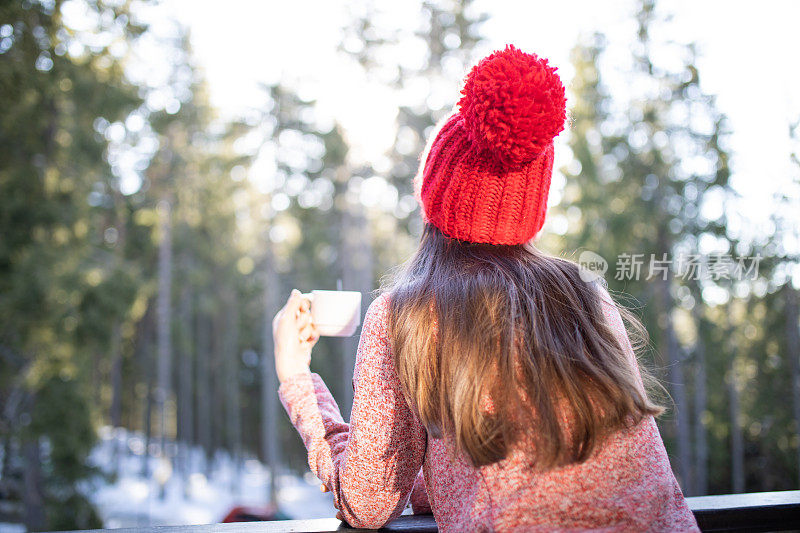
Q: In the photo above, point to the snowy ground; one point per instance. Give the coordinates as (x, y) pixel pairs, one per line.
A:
(169, 497)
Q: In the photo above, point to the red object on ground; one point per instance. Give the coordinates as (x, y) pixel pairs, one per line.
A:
(246, 513)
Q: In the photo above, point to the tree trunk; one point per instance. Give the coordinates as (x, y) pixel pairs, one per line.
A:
(233, 429)
(269, 380)
(700, 407)
(737, 440)
(5, 447)
(116, 374)
(186, 403)
(356, 268)
(144, 348)
(116, 389)
(97, 377)
(677, 386)
(148, 426)
(203, 387)
(217, 380)
(793, 353)
(164, 387)
(737, 446)
(120, 223)
(33, 497)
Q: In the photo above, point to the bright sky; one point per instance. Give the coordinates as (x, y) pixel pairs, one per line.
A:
(746, 60)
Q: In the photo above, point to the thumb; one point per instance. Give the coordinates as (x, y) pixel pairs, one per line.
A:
(294, 301)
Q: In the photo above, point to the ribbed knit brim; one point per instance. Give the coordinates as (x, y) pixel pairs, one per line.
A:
(471, 196)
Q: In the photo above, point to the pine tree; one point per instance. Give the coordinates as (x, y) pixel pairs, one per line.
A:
(449, 34)
(633, 198)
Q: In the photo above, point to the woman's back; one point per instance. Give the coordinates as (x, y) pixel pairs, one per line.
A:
(626, 485)
(489, 341)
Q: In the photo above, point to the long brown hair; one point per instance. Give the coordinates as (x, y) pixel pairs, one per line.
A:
(508, 325)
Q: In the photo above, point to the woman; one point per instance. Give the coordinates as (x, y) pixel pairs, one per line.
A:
(493, 386)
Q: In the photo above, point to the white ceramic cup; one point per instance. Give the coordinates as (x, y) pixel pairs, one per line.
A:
(335, 313)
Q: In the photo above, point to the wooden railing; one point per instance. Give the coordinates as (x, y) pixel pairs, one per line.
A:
(760, 511)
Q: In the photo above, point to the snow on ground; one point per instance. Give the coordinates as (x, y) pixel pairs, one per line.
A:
(145, 490)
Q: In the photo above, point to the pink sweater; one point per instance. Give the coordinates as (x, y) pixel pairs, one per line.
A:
(383, 459)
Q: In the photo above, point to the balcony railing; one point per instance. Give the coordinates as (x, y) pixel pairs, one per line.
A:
(759, 511)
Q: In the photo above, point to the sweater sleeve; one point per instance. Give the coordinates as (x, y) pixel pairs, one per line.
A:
(371, 464)
(419, 496)
(614, 320)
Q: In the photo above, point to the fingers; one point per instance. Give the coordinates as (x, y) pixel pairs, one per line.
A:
(297, 307)
(309, 333)
(339, 516)
(304, 319)
(293, 303)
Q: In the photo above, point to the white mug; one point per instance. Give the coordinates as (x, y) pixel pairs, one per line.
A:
(335, 313)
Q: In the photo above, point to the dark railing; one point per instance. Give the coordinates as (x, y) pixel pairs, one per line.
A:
(760, 511)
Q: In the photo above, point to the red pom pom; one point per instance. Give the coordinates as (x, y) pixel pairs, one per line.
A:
(513, 105)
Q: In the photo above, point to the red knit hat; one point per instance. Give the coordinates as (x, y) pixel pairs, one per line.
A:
(487, 172)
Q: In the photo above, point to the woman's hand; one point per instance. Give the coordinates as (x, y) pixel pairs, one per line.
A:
(323, 488)
(294, 335)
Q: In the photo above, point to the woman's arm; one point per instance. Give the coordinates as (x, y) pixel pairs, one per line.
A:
(419, 496)
(614, 320)
(371, 464)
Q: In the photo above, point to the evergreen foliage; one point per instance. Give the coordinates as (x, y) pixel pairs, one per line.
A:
(89, 163)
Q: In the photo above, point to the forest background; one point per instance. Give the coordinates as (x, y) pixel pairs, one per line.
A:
(148, 232)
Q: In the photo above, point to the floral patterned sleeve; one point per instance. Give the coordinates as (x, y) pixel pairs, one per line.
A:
(419, 496)
(614, 319)
(371, 464)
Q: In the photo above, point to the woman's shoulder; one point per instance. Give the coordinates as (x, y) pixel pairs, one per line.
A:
(381, 301)
(378, 310)
(375, 328)
(601, 286)
(374, 347)
(607, 303)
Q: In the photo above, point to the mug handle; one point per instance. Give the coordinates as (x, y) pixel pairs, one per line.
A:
(308, 296)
